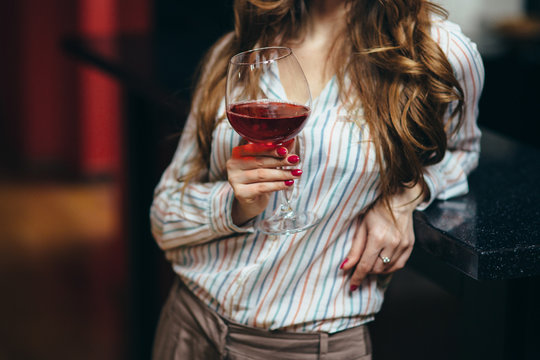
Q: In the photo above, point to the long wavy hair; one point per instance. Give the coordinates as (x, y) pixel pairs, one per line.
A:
(399, 76)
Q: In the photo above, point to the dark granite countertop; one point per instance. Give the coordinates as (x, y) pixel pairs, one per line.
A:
(494, 231)
(491, 233)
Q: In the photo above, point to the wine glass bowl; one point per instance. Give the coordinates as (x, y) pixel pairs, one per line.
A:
(268, 101)
(268, 98)
(268, 121)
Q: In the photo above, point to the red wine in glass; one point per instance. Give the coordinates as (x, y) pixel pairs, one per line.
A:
(267, 121)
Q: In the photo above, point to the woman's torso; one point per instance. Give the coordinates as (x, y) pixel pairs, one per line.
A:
(293, 282)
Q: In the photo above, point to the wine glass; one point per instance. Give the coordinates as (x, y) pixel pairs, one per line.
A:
(268, 101)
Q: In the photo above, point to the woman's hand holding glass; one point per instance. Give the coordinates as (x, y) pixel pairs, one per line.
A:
(254, 172)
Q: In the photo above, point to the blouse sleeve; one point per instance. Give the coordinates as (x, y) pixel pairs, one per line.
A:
(448, 178)
(202, 213)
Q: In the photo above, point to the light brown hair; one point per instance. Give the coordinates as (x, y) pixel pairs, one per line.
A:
(399, 74)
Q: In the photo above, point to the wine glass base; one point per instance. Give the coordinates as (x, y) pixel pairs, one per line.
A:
(279, 225)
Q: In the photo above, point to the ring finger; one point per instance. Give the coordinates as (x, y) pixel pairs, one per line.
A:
(399, 260)
(385, 260)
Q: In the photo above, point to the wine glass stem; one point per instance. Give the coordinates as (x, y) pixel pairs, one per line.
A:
(286, 210)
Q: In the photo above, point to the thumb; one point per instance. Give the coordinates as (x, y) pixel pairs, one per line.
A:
(357, 247)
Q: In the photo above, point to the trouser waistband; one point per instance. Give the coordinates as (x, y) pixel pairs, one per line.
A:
(236, 341)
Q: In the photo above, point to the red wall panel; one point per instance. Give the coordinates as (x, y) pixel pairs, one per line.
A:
(47, 110)
(57, 114)
(99, 96)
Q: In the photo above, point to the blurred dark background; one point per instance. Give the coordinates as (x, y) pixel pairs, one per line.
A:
(93, 96)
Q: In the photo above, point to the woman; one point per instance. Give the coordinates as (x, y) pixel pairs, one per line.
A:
(393, 126)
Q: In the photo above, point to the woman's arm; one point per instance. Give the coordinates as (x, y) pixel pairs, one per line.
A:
(211, 210)
(448, 178)
(202, 213)
(378, 236)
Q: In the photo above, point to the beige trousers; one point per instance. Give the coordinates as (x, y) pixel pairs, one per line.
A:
(189, 330)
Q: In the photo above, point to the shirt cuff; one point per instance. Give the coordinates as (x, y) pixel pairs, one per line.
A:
(220, 211)
(430, 183)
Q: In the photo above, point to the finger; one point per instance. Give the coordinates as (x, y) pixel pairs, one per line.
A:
(401, 257)
(250, 191)
(256, 162)
(402, 243)
(385, 259)
(358, 244)
(392, 245)
(260, 149)
(366, 263)
(263, 175)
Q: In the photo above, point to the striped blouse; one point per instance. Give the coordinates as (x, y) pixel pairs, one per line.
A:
(293, 282)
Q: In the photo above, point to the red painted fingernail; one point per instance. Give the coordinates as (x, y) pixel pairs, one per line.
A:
(343, 263)
(282, 151)
(289, 182)
(353, 287)
(296, 172)
(293, 159)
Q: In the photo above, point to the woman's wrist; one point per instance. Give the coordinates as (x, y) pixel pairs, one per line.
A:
(409, 198)
(239, 215)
